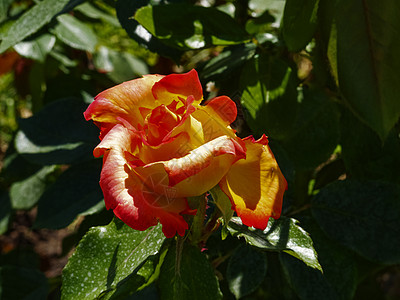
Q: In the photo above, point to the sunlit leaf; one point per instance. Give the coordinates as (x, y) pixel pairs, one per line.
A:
(105, 257)
(269, 96)
(280, 235)
(36, 49)
(339, 279)
(196, 27)
(25, 194)
(31, 21)
(75, 33)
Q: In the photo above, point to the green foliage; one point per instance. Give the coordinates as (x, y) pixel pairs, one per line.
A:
(187, 274)
(361, 215)
(280, 235)
(318, 77)
(197, 27)
(112, 255)
(246, 271)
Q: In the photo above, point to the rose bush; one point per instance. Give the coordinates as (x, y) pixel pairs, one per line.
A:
(161, 146)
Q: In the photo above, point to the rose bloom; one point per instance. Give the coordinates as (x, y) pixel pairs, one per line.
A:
(161, 146)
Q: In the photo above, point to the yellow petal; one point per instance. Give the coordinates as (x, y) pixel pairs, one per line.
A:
(255, 185)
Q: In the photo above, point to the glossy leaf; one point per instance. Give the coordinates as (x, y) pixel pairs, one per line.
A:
(368, 61)
(197, 27)
(195, 278)
(75, 33)
(339, 280)
(36, 49)
(132, 286)
(105, 257)
(280, 235)
(364, 154)
(26, 193)
(58, 134)
(316, 130)
(246, 271)
(362, 216)
(125, 10)
(22, 283)
(31, 21)
(299, 23)
(74, 193)
(269, 96)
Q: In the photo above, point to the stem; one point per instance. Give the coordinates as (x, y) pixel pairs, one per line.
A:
(178, 255)
(198, 220)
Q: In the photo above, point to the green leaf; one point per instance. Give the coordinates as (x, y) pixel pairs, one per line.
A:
(275, 7)
(22, 283)
(362, 216)
(36, 49)
(74, 193)
(197, 27)
(246, 271)
(339, 280)
(192, 277)
(368, 61)
(125, 10)
(280, 235)
(75, 33)
(94, 12)
(269, 96)
(58, 134)
(5, 212)
(364, 154)
(299, 23)
(26, 193)
(228, 61)
(106, 256)
(223, 203)
(31, 21)
(4, 5)
(316, 130)
(131, 286)
(119, 66)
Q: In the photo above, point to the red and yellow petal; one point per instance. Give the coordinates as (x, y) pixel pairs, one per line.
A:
(125, 193)
(175, 86)
(221, 108)
(255, 185)
(195, 173)
(124, 101)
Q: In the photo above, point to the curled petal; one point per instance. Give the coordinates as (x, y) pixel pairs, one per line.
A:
(255, 185)
(123, 101)
(196, 172)
(177, 86)
(134, 203)
(222, 108)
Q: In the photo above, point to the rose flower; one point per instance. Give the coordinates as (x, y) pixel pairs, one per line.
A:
(160, 146)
